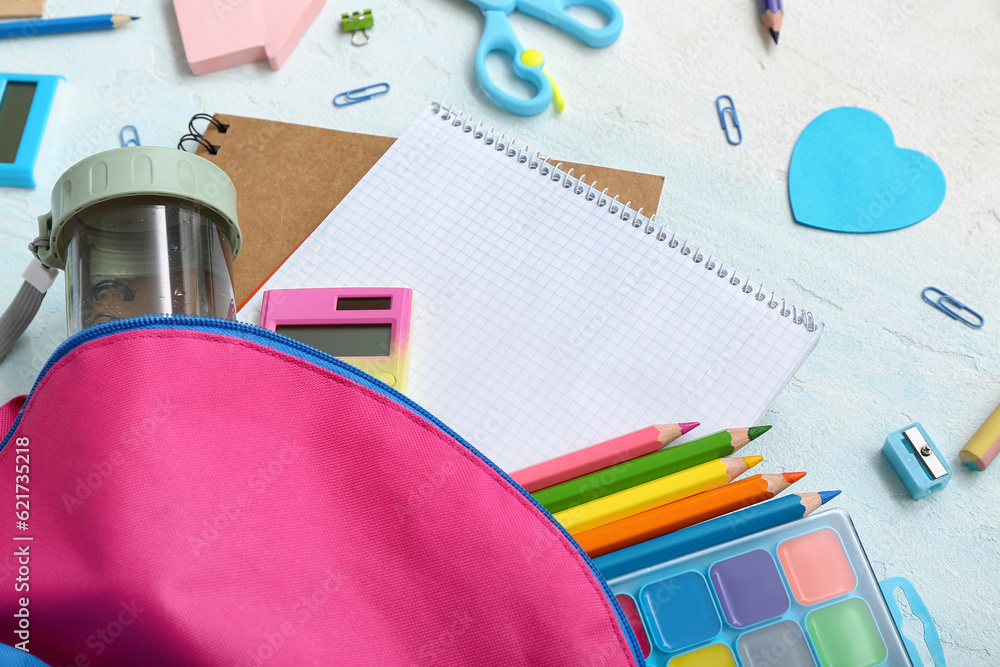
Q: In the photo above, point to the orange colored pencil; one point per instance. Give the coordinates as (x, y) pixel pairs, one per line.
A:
(683, 513)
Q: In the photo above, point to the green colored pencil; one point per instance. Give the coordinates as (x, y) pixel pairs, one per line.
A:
(645, 468)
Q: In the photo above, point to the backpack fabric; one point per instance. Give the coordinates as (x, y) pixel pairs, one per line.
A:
(207, 493)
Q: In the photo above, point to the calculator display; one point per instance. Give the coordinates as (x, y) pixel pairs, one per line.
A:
(14, 108)
(342, 340)
(364, 303)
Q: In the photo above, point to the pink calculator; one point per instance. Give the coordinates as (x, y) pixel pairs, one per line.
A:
(367, 327)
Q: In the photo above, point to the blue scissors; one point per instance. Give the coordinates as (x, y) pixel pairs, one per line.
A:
(498, 35)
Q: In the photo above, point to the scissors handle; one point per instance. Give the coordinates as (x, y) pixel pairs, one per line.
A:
(498, 35)
(554, 13)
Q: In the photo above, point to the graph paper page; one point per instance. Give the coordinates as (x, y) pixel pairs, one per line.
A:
(542, 322)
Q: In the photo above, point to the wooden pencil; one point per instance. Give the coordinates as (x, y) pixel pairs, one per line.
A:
(653, 494)
(710, 533)
(71, 24)
(599, 456)
(772, 16)
(645, 468)
(683, 513)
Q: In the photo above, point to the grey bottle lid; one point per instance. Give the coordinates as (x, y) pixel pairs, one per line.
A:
(137, 170)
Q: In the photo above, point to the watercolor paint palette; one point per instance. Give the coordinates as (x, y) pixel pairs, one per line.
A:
(798, 595)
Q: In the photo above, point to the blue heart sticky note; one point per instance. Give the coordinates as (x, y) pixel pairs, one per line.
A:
(848, 175)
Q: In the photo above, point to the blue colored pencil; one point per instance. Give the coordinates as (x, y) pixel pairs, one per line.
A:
(772, 14)
(710, 533)
(72, 24)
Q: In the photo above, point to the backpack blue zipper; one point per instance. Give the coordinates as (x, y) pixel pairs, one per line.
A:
(302, 351)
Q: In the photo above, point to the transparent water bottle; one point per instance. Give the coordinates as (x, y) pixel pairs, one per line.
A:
(143, 230)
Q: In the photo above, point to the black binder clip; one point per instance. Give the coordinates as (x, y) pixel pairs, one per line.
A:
(731, 108)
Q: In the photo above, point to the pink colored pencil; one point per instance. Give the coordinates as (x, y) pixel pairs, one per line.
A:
(599, 456)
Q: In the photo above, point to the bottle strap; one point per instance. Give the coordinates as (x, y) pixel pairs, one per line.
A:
(19, 314)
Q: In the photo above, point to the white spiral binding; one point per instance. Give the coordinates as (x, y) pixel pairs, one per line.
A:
(624, 211)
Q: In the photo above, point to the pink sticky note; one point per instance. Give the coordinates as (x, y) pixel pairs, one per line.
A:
(219, 35)
(287, 22)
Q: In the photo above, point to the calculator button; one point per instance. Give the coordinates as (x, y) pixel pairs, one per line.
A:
(388, 378)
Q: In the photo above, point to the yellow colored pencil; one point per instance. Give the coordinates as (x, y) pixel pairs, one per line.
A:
(667, 489)
(984, 446)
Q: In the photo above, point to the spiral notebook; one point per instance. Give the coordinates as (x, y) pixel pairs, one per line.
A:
(290, 176)
(547, 315)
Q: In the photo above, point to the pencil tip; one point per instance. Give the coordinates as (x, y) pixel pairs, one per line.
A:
(826, 496)
(774, 34)
(135, 18)
(756, 431)
(792, 477)
(687, 426)
(751, 461)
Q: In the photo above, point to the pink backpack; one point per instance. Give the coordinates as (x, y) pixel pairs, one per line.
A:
(190, 491)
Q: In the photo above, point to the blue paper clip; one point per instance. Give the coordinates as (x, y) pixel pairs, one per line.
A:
(722, 119)
(352, 96)
(945, 303)
(126, 142)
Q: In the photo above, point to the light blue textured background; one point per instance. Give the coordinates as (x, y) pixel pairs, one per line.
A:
(646, 103)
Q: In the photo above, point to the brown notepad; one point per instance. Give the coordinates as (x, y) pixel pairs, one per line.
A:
(289, 177)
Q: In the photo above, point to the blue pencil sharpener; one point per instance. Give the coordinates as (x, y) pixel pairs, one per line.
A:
(917, 461)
